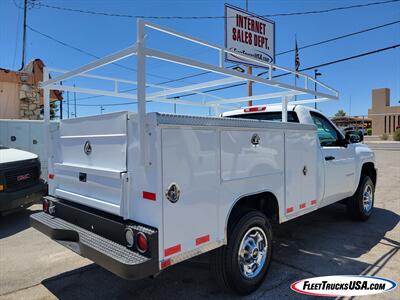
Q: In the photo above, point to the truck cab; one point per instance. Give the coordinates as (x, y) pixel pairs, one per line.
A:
(341, 158)
(20, 182)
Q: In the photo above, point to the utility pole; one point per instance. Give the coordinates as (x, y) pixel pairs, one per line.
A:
(350, 106)
(61, 106)
(249, 71)
(61, 109)
(75, 102)
(24, 36)
(316, 74)
(68, 104)
(175, 98)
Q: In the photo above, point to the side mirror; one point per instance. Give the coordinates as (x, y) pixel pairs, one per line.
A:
(361, 135)
(352, 138)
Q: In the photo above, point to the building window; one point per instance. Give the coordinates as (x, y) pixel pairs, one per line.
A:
(394, 123)
(398, 120)
(385, 125)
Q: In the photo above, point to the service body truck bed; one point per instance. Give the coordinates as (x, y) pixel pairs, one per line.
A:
(211, 160)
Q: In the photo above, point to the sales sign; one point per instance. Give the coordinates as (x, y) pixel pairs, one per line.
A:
(248, 34)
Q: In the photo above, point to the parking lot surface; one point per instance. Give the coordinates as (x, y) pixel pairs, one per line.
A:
(325, 242)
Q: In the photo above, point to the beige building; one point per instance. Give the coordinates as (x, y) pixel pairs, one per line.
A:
(385, 118)
(20, 96)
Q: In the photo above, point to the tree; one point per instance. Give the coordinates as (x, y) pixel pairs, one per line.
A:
(340, 113)
(53, 110)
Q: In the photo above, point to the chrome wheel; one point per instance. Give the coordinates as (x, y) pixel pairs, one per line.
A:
(367, 197)
(253, 252)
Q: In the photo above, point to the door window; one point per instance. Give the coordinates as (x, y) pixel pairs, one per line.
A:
(327, 134)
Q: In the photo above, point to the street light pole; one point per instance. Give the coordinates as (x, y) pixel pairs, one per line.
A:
(316, 74)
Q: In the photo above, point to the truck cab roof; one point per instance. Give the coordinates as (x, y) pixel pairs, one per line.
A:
(296, 113)
(266, 108)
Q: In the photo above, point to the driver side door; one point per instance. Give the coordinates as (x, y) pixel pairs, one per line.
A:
(338, 160)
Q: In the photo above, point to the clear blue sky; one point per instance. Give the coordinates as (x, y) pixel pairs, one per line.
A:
(102, 35)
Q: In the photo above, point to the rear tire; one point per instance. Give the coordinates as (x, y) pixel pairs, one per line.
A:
(242, 265)
(361, 204)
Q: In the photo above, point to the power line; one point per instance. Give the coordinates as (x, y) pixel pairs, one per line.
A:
(205, 72)
(168, 80)
(323, 42)
(304, 69)
(210, 17)
(280, 75)
(349, 58)
(281, 53)
(88, 53)
(201, 73)
(341, 37)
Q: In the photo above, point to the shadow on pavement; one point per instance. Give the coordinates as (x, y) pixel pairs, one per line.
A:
(325, 242)
(17, 221)
(328, 238)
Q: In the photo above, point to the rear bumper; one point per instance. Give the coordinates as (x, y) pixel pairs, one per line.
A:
(11, 200)
(106, 252)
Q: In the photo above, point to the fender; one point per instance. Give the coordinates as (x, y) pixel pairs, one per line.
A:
(267, 194)
(363, 155)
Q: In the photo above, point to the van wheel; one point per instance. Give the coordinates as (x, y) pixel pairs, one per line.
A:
(242, 265)
(361, 204)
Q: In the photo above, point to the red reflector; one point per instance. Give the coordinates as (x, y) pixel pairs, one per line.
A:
(149, 196)
(313, 202)
(302, 205)
(51, 176)
(289, 210)
(165, 263)
(141, 242)
(202, 240)
(45, 206)
(253, 109)
(172, 250)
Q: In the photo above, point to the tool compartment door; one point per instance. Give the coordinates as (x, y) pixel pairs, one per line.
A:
(92, 160)
(18, 135)
(300, 171)
(190, 160)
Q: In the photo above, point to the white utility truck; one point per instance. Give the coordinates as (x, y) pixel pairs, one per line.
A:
(139, 192)
(25, 135)
(20, 182)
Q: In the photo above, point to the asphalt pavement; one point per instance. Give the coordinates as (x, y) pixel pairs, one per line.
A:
(325, 242)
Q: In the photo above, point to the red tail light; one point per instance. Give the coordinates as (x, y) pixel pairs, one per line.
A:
(253, 109)
(45, 205)
(141, 242)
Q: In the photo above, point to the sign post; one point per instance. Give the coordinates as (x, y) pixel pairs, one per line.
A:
(249, 34)
(249, 71)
